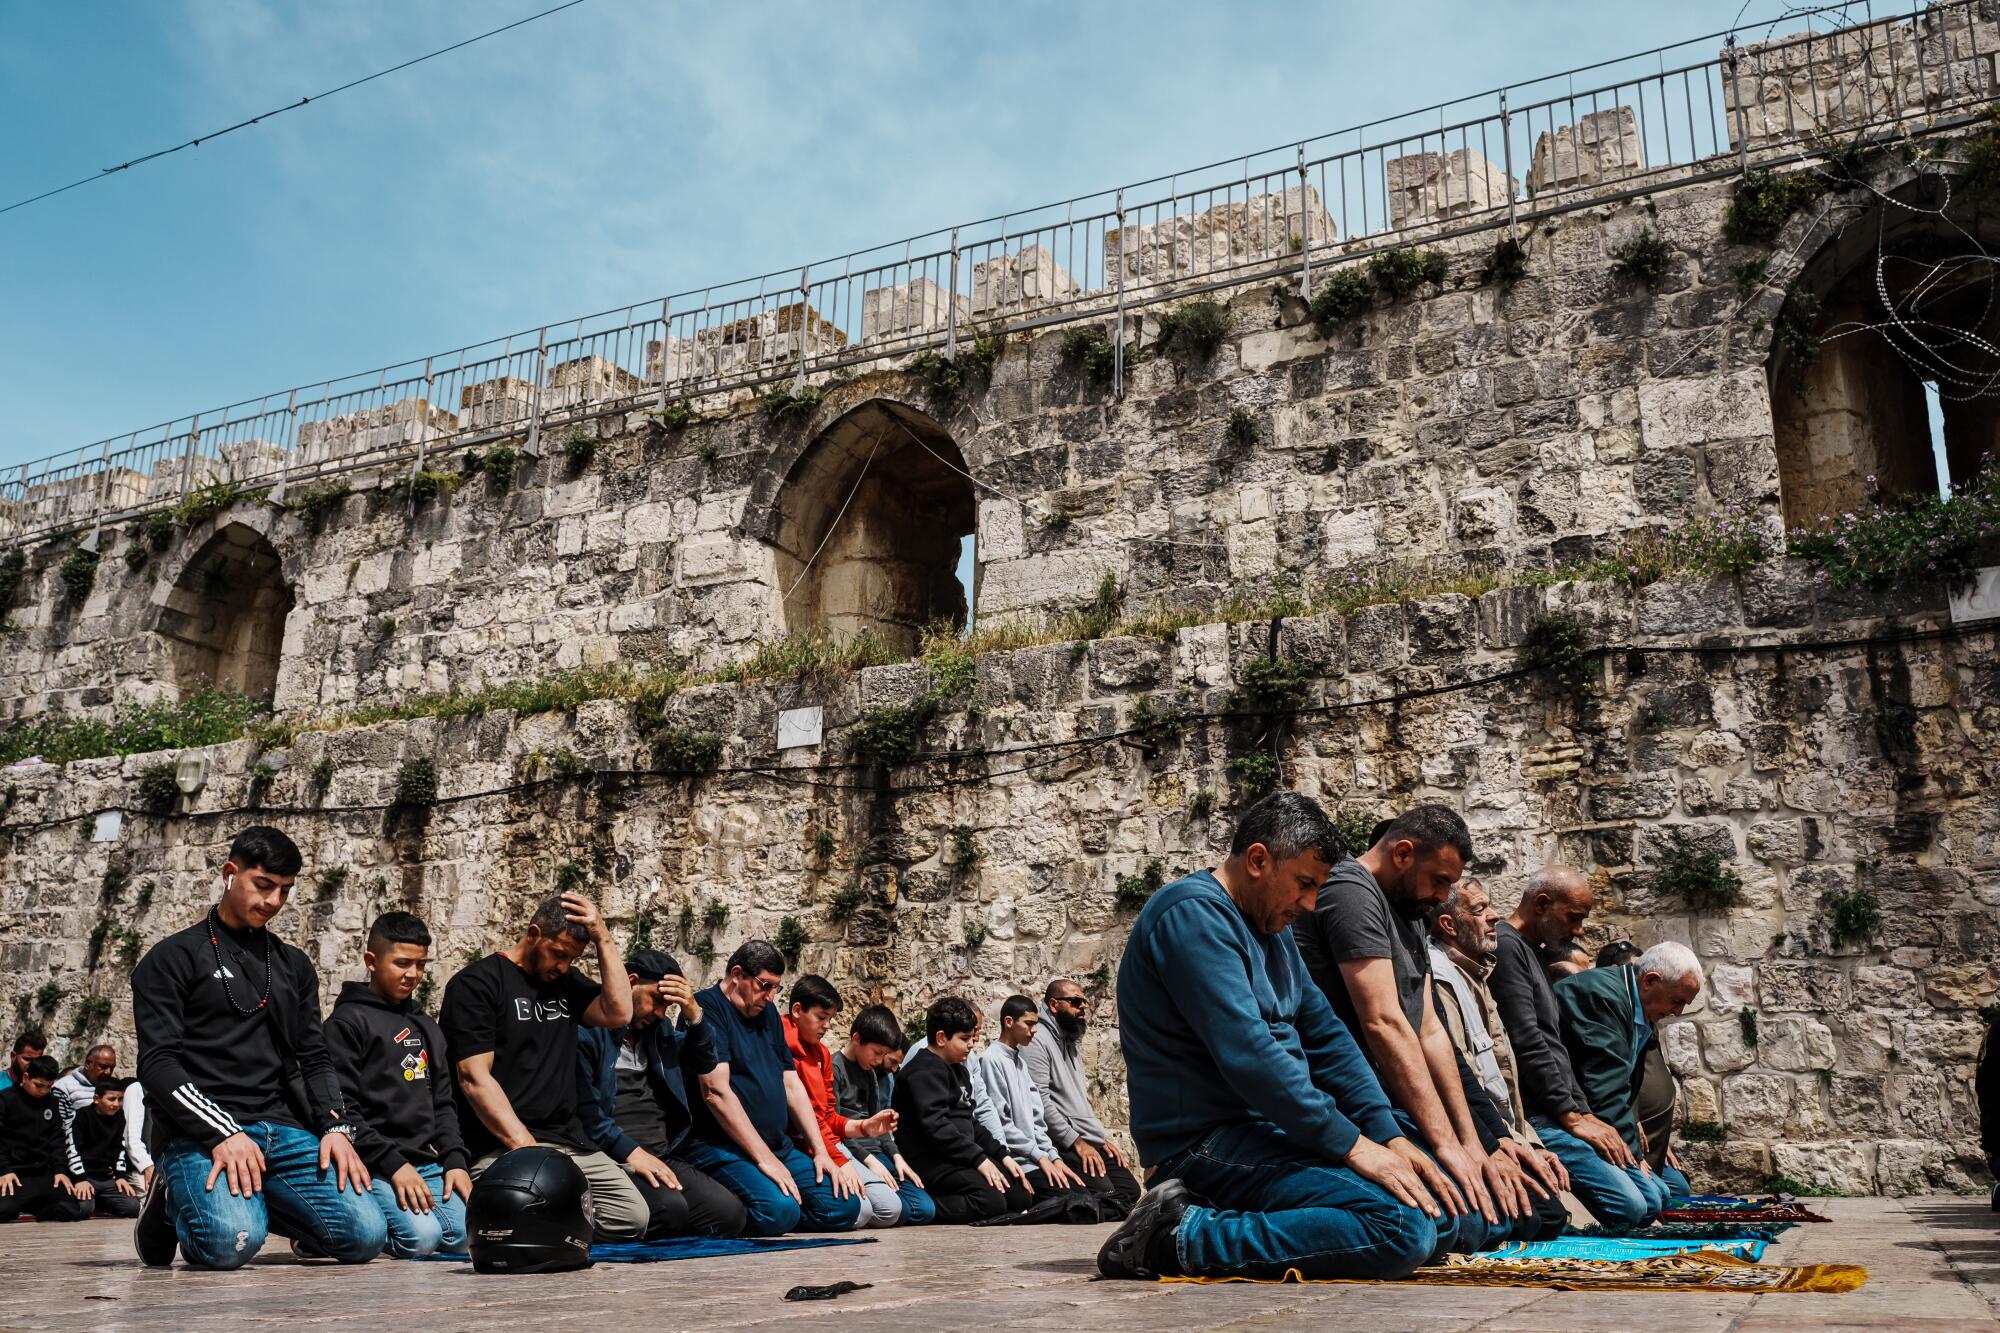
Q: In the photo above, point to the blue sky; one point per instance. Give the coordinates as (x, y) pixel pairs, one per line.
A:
(614, 153)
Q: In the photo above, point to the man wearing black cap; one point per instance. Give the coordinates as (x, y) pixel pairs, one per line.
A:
(631, 1093)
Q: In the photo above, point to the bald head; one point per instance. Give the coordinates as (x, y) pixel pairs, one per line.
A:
(1554, 906)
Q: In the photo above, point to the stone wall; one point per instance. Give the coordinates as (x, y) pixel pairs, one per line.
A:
(1814, 770)
(1463, 422)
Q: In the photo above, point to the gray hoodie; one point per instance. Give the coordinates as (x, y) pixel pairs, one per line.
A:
(1056, 1065)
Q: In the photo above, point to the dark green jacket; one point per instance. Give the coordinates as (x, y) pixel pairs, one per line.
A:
(1600, 1018)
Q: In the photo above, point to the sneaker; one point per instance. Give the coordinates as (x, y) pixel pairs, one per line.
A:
(153, 1235)
(1128, 1254)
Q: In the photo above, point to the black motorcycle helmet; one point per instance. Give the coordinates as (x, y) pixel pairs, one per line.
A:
(527, 1215)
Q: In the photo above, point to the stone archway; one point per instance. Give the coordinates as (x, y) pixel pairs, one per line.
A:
(1881, 365)
(867, 527)
(223, 617)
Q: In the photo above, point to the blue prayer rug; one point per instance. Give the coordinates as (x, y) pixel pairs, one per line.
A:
(693, 1247)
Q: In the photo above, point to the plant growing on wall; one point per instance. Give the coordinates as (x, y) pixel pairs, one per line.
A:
(79, 575)
(1132, 891)
(642, 934)
(498, 463)
(94, 946)
(130, 945)
(332, 880)
(13, 573)
(1508, 265)
(790, 940)
(787, 405)
(675, 416)
(1702, 1131)
(160, 529)
(1403, 270)
(424, 486)
(1354, 824)
(888, 736)
(965, 853)
(841, 908)
(571, 877)
(1242, 429)
(47, 996)
(1558, 647)
(975, 935)
(92, 1013)
(416, 783)
(1746, 1020)
(159, 789)
(1762, 203)
(322, 773)
(1853, 916)
(261, 779)
(823, 843)
(136, 555)
(1191, 332)
(1644, 258)
(578, 450)
(1088, 349)
(316, 503)
(1916, 538)
(1259, 772)
(1275, 684)
(680, 750)
(1344, 294)
(715, 916)
(941, 375)
(1695, 876)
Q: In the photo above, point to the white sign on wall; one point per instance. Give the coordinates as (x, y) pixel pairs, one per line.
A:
(799, 727)
(106, 827)
(1980, 599)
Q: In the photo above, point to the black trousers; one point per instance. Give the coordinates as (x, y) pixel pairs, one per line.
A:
(962, 1195)
(38, 1197)
(1986, 1087)
(702, 1206)
(1116, 1180)
(110, 1203)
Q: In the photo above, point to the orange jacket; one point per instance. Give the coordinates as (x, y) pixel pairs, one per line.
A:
(816, 1072)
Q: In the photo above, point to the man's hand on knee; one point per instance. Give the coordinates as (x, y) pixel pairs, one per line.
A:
(336, 1152)
(1398, 1172)
(241, 1162)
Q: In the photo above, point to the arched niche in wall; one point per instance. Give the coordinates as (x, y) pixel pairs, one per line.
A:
(224, 617)
(868, 528)
(1886, 357)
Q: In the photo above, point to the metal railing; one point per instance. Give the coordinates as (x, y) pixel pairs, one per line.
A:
(1687, 112)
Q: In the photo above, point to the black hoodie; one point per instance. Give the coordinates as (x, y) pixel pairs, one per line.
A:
(395, 1080)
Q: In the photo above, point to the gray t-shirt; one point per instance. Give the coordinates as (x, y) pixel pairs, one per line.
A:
(1353, 920)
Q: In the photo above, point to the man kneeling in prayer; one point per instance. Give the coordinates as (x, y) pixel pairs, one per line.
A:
(1270, 1143)
(1608, 1017)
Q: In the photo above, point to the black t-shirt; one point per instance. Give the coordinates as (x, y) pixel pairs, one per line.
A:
(530, 1027)
(758, 1060)
(1353, 920)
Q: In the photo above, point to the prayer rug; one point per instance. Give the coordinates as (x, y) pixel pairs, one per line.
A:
(1752, 1213)
(1687, 1231)
(1700, 1271)
(693, 1247)
(1625, 1247)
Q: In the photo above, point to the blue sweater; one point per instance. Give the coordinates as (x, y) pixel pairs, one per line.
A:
(1221, 1024)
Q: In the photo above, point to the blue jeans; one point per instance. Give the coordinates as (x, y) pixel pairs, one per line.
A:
(771, 1211)
(905, 1205)
(1678, 1185)
(221, 1230)
(1616, 1196)
(412, 1234)
(1466, 1233)
(1270, 1206)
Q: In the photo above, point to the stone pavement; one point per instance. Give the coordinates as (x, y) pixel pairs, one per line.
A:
(1934, 1267)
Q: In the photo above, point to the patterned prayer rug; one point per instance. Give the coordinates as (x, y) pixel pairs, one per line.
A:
(1687, 1231)
(1625, 1247)
(1751, 1213)
(1701, 1271)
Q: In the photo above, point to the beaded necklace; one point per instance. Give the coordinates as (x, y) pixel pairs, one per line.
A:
(215, 943)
